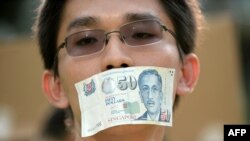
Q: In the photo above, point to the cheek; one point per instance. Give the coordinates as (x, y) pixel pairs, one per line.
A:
(73, 70)
(144, 98)
(161, 56)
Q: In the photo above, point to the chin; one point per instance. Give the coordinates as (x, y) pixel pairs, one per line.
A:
(126, 129)
(131, 133)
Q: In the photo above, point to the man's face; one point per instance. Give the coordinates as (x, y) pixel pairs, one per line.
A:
(110, 15)
(150, 91)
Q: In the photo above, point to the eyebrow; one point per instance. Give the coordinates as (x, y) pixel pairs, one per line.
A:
(140, 16)
(90, 20)
(83, 21)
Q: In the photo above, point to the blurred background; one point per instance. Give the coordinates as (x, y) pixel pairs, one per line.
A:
(221, 97)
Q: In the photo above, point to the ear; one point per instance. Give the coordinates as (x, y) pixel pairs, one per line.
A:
(53, 90)
(189, 74)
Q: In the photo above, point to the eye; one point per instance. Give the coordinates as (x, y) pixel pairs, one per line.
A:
(143, 35)
(86, 41)
(155, 89)
(145, 88)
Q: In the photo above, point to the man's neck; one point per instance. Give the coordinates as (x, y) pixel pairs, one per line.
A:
(154, 117)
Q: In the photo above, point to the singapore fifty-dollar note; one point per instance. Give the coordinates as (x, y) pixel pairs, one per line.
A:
(133, 95)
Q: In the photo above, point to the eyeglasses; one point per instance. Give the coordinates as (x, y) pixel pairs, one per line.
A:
(133, 34)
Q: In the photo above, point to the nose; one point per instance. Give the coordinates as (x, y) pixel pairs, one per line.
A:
(115, 54)
(150, 94)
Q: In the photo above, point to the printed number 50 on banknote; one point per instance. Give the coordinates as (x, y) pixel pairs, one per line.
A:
(134, 95)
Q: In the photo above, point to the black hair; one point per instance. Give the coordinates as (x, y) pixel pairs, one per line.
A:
(47, 28)
(184, 23)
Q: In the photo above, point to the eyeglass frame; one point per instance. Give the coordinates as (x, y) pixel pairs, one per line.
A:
(165, 29)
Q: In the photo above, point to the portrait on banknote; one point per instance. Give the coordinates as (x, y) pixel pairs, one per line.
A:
(150, 90)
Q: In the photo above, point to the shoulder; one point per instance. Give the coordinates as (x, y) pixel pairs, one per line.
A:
(143, 117)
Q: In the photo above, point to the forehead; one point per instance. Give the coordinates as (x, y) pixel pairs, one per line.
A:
(149, 78)
(111, 13)
(103, 8)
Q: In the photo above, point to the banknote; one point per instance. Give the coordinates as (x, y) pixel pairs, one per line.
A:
(133, 95)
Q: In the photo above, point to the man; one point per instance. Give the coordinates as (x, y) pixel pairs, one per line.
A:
(80, 38)
(150, 85)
